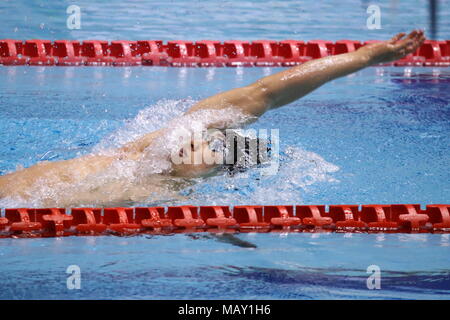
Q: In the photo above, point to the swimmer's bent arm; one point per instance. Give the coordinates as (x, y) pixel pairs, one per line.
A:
(289, 85)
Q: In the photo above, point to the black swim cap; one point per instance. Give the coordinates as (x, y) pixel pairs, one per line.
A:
(243, 152)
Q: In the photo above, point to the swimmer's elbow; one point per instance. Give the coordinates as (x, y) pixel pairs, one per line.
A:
(262, 97)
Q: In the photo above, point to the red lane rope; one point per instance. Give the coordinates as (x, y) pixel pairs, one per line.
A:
(55, 222)
(205, 53)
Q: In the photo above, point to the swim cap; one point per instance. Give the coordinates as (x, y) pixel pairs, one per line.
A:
(243, 152)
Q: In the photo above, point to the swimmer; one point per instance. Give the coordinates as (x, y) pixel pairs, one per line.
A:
(140, 171)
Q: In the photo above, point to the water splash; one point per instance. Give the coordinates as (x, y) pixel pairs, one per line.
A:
(299, 169)
(147, 120)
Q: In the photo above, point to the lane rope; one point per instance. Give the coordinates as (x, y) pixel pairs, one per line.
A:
(375, 218)
(204, 53)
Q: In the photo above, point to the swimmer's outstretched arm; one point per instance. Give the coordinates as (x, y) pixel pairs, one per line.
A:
(287, 86)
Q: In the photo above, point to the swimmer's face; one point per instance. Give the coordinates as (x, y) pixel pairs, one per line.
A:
(198, 158)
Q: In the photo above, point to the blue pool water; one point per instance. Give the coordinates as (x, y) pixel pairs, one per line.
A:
(379, 136)
(293, 266)
(217, 19)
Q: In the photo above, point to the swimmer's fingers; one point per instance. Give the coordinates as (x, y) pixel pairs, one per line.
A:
(409, 40)
(396, 48)
(415, 38)
(410, 44)
(397, 37)
(417, 42)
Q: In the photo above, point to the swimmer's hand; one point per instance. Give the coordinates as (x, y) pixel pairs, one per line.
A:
(396, 48)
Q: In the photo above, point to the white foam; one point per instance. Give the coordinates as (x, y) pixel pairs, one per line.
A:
(147, 120)
(299, 168)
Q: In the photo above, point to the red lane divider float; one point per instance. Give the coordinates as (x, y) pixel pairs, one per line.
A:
(88, 220)
(203, 53)
(56, 222)
(217, 217)
(185, 217)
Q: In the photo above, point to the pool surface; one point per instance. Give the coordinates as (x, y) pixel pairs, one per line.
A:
(216, 19)
(378, 136)
(292, 266)
(401, 119)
